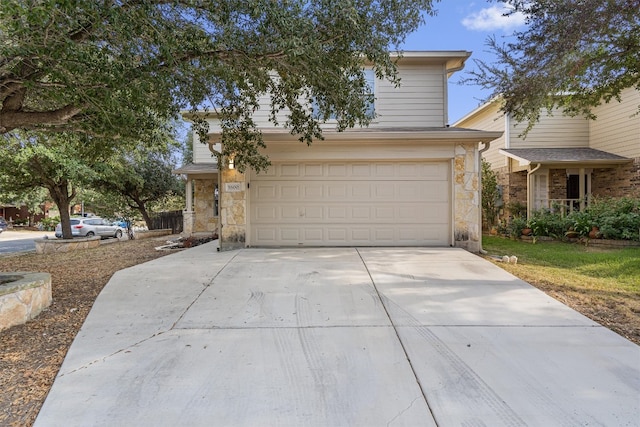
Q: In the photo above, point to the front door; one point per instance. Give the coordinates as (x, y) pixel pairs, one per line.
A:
(540, 191)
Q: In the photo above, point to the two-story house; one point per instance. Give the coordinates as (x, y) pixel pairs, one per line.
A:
(406, 180)
(564, 161)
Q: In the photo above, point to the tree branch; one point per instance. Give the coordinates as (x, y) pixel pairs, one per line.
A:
(10, 120)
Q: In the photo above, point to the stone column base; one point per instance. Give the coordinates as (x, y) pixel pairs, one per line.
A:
(188, 219)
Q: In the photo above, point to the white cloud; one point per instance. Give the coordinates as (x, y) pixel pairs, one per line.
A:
(492, 18)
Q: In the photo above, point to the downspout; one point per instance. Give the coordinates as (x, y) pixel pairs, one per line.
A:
(529, 189)
(479, 165)
(507, 131)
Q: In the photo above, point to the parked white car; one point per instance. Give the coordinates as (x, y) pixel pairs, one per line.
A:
(87, 227)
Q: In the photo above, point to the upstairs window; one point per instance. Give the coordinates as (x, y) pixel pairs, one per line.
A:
(370, 79)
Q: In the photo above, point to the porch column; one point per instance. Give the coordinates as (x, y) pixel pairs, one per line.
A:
(189, 194)
(188, 214)
(582, 189)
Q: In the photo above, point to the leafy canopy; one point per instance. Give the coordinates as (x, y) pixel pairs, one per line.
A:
(119, 69)
(572, 55)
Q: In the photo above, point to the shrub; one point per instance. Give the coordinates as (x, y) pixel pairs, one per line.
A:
(546, 223)
(581, 222)
(490, 194)
(49, 224)
(516, 226)
(616, 219)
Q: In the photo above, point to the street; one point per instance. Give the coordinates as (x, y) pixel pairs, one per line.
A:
(21, 241)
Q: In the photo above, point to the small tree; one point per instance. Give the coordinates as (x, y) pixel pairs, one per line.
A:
(490, 194)
(139, 179)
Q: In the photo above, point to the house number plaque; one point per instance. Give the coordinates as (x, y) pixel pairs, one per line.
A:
(233, 187)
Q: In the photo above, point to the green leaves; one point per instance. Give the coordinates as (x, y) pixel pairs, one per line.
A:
(572, 55)
(120, 70)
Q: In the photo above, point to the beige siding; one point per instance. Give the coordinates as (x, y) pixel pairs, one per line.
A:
(201, 153)
(489, 119)
(353, 150)
(617, 127)
(419, 101)
(552, 131)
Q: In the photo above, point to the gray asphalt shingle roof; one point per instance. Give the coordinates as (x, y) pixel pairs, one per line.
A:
(562, 155)
(192, 168)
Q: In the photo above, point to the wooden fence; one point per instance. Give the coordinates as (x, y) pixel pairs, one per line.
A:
(171, 219)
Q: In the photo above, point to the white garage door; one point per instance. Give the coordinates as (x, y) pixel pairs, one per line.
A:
(351, 204)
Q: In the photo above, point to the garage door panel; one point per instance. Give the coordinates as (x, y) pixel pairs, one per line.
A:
(314, 235)
(337, 190)
(384, 235)
(342, 204)
(314, 170)
(286, 212)
(335, 171)
(314, 213)
(313, 191)
(266, 234)
(290, 170)
(289, 235)
(265, 191)
(266, 213)
(291, 191)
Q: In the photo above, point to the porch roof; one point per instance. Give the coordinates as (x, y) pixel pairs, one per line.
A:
(196, 168)
(565, 156)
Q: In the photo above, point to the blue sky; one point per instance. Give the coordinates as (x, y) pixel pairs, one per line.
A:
(464, 25)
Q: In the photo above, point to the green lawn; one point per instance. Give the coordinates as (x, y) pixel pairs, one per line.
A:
(603, 284)
(572, 264)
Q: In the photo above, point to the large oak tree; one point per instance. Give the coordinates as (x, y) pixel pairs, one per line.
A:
(117, 68)
(572, 55)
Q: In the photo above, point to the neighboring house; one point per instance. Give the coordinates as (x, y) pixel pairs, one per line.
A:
(407, 180)
(564, 161)
(19, 214)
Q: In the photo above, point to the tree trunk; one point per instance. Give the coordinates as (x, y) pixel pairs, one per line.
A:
(146, 217)
(62, 199)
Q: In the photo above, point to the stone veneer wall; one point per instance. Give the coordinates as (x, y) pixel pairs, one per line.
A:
(467, 229)
(203, 207)
(23, 298)
(233, 207)
(51, 246)
(621, 181)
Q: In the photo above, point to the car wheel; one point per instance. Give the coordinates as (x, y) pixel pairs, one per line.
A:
(90, 234)
(118, 234)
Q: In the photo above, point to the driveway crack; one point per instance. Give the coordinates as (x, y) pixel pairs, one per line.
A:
(203, 290)
(395, 330)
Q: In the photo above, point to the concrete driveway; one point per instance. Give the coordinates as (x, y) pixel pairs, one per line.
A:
(338, 337)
